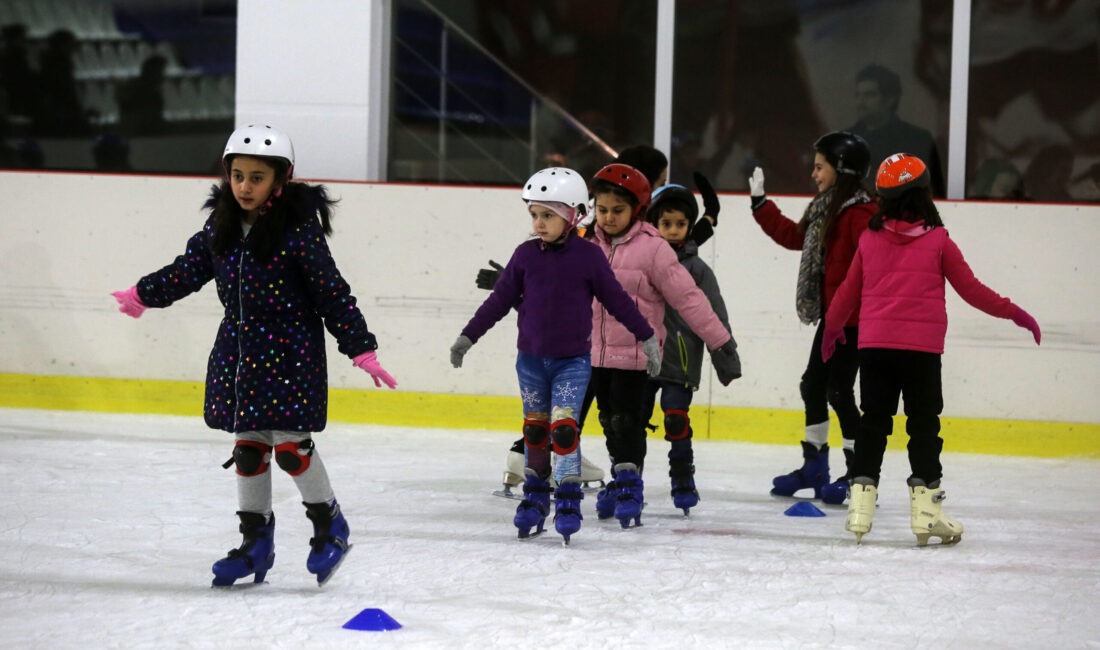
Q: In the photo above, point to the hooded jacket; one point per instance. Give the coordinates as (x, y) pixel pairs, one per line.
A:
(682, 362)
(897, 279)
(648, 270)
(267, 369)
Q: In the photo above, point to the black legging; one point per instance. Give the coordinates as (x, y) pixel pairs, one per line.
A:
(619, 396)
(833, 383)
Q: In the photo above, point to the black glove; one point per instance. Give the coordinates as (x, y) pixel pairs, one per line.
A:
(487, 278)
(711, 206)
(727, 363)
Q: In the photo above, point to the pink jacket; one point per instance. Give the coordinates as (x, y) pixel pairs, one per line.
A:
(649, 270)
(898, 275)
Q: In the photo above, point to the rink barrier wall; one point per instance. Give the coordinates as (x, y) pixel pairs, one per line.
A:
(497, 413)
(411, 253)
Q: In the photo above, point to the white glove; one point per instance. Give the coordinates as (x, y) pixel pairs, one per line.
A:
(756, 183)
(653, 356)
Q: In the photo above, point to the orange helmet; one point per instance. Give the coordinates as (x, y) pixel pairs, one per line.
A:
(631, 180)
(900, 172)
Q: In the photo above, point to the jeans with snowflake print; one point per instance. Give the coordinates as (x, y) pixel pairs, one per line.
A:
(552, 390)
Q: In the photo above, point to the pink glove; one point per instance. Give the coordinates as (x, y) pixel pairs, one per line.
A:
(829, 340)
(1024, 320)
(129, 303)
(368, 361)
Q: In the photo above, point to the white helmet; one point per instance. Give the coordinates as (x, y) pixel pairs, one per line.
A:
(558, 185)
(261, 140)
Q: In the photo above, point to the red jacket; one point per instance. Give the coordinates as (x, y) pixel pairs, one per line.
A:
(840, 242)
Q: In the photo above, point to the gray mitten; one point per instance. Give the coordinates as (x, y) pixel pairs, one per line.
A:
(727, 363)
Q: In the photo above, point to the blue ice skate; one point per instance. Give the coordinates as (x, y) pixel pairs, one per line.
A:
(255, 555)
(567, 507)
(814, 473)
(684, 495)
(532, 511)
(836, 493)
(628, 504)
(329, 544)
(605, 500)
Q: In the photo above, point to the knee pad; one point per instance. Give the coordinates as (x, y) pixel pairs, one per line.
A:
(565, 435)
(251, 457)
(536, 433)
(677, 425)
(623, 424)
(293, 457)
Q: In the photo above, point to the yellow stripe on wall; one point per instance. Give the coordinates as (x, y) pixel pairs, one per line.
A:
(397, 408)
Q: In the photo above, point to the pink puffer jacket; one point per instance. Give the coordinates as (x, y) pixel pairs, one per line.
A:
(648, 269)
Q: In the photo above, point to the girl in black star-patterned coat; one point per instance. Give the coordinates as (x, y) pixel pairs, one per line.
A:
(264, 247)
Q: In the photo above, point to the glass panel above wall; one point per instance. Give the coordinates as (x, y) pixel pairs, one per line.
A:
(1034, 105)
(757, 82)
(117, 86)
(488, 92)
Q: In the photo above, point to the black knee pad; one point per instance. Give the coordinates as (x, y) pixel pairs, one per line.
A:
(536, 433)
(677, 425)
(293, 457)
(623, 424)
(565, 435)
(251, 457)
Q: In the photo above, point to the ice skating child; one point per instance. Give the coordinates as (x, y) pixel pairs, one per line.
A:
(649, 271)
(674, 213)
(827, 235)
(898, 277)
(551, 281)
(264, 247)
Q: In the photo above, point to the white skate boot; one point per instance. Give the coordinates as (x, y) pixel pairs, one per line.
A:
(862, 497)
(591, 475)
(926, 516)
(513, 472)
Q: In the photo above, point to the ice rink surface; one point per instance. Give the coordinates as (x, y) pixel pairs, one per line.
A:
(110, 524)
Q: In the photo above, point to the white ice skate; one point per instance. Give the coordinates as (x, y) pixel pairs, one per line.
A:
(592, 477)
(926, 516)
(861, 507)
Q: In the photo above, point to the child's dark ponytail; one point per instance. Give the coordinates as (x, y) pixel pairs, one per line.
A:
(911, 206)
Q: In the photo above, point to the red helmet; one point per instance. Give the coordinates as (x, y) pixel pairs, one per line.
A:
(900, 172)
(629, 179)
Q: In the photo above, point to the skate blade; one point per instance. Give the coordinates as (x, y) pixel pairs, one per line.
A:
(945, 540)
(321, 582)
(530, 535)
(507, 493)
(235, 586)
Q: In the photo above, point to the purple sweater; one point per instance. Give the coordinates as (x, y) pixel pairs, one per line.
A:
(552, 286)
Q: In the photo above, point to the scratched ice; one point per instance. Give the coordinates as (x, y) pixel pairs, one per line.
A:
(111, 523)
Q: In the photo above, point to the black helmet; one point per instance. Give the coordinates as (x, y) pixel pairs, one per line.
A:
(846, 151)
(673, 196)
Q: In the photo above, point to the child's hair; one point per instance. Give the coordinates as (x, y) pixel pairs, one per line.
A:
(600, 186)
(296, 201)
(673, 197)
(912, 205)
(646, 159)
(850, 157)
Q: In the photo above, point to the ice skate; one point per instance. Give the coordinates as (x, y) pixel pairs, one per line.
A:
(605, 500)
(814, 473)
(329, 544)
(532, 511)
(591, 475)
(836, 492)
(513, 472)
(684, 495)
(861, 507)
(255, 555)
(567, 507)
(926, 516)
(628, 503)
